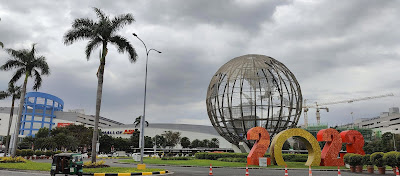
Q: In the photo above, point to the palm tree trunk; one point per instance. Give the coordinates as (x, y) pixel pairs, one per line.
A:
(21, 106)
(98, 101)
(9, 125)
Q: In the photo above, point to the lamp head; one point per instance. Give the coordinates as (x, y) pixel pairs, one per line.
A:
(134, 34)
(159, 51)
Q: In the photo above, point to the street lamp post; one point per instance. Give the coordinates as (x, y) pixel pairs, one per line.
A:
(142, 121)
(394, 142)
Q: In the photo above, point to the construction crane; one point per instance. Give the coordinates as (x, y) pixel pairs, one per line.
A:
(319, 106)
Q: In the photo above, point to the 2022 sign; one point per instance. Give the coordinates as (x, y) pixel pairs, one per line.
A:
(327, 157)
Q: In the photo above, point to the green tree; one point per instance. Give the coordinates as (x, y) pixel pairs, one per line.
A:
(27, 63)
(185, 142)
(81, 133)
(171, 138)
(159, 141)
(42, 133)
(15, 93)
(137, 121)
(195, 143)
(106, 142)
(134, 139)
(121, 144)
(27, 142)
(205, 143)
(214, 143)
(148, 142)
(101, 32)
(65, 141)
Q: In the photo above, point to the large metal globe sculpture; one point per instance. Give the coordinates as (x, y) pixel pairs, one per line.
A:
(253, 90)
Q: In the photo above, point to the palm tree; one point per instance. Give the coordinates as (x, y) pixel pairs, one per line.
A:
(137, 121)
(101, 32)
(27, 63)
(15, 93)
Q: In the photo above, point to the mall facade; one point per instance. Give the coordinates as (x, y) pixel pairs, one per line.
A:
(45, 110)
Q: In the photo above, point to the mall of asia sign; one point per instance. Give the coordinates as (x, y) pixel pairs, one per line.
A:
(327, 157)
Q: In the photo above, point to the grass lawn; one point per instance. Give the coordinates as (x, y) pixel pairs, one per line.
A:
(204, 162)
(30, 165)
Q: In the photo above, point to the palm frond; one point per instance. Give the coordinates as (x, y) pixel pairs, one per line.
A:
(41, 64)
(77, 34)
(120, 21)
(17, 75)
(38, 80)
(83, 22)
(123, 46)
(4, 94)
(92, 44)
(17, 54)
(100, 13)
(11, 64)
(14, 90)
(32, 52)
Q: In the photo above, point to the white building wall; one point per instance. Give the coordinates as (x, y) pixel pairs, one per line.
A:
(152, 132)
(386, 122)
(5, 118)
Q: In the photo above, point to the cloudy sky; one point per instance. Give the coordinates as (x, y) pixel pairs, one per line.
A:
(336, 49)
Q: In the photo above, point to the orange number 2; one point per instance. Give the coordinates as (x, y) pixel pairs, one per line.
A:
(262, 138)
(354, 140)
(330, 152)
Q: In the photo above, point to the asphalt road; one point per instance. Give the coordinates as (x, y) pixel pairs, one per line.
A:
(23, 173)
(202, 171)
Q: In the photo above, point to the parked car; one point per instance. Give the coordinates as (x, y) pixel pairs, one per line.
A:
(102, 155)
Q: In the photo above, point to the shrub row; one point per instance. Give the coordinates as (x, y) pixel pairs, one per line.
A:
(216, 156)
(12, 160)
(176, 158)
(30, 152)
(241, 160)
(378, 159)
(98, 164)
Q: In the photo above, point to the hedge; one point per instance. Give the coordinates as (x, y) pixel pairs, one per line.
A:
(355, 160)
(391, 159)
(240, 160)
(367, 160)
(377, 159)
(216, 156)
(346, 157)
(176, 158)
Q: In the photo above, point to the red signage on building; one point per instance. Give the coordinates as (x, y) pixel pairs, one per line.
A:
(63, 124)
(128, 132)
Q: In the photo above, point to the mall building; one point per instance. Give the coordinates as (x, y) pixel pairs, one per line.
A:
(45, 110)
(385, 122)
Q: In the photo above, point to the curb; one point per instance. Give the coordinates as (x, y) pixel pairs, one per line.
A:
(128, 174)
(266, 168)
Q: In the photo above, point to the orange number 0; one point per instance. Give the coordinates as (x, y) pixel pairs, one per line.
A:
(330, 152)
(262, 138)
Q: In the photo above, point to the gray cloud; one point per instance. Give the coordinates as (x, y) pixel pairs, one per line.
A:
(336, 49)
